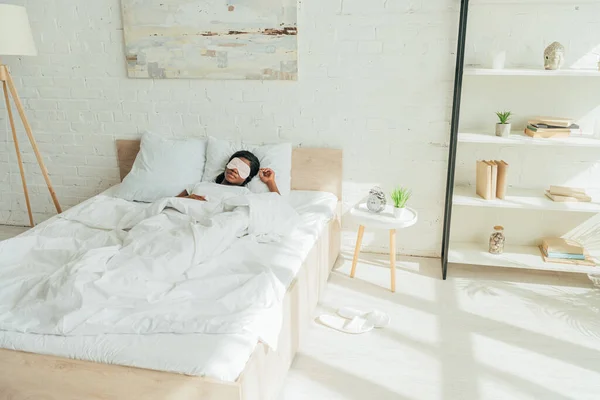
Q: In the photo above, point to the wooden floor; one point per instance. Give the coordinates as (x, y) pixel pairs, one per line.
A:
(483, 334)
(7, 232)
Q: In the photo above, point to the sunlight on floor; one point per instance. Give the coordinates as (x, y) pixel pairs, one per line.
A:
(483, 334)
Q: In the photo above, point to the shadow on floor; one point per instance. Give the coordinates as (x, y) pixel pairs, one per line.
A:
(348, 385)
(570, 301)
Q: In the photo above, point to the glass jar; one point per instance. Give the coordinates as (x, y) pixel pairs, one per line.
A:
(497, 240)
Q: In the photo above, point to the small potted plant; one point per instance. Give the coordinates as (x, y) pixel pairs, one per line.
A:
(503, 127)
(400, 197)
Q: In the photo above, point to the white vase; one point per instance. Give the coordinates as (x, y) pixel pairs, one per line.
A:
(503, 130)
(399, 212)
(498, 59)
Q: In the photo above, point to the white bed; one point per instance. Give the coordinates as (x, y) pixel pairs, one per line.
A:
(222, 366)
(218, 356)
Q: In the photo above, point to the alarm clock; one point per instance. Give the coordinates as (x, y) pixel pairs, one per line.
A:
(376, 200)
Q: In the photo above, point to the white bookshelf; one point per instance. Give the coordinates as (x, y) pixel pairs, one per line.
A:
(517, 198)
(489, 146)
(472, 71)
(525, 257)
(526, 213)
(520, 139)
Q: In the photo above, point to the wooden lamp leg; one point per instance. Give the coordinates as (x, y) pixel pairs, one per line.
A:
(393, 258)
(361, 230)
(15, 96)
(19, 159)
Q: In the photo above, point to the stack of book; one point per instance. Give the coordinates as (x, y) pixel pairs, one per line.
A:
(551, 127)
(564, 251)
(491, 179)
(564, 194)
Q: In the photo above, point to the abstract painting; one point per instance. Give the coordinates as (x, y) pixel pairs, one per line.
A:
(211, 39)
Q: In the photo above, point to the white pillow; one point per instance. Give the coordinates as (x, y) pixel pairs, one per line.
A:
(278, 157)
(163, 168)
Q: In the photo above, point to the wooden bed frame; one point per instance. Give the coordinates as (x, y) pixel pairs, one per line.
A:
(35, 376)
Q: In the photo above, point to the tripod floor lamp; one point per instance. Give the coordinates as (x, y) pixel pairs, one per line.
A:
(16, 40)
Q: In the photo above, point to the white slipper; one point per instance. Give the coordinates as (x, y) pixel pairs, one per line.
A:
(379, 319)
(355, 325)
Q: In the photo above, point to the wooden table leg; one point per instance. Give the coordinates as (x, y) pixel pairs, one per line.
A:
(393, 258)
(361, 230)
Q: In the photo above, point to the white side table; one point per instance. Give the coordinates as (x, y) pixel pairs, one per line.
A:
(383, 220)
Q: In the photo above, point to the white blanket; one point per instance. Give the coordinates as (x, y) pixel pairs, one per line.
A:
(149, 268)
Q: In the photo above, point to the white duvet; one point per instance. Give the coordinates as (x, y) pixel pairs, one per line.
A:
(149, 268)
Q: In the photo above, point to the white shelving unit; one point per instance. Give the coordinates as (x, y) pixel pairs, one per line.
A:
(520, 139)
(471, 71)
(465, 198)
(532, 199)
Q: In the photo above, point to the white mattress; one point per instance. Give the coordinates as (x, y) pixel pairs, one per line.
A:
(220, 356)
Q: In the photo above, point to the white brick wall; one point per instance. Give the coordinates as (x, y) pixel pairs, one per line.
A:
(375, 79)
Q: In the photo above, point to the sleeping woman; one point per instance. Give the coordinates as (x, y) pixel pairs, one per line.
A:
(241, 168)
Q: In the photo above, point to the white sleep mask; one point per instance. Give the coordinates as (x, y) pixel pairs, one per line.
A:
(242, 168)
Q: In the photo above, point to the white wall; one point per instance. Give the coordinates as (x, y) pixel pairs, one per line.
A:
(375, 79)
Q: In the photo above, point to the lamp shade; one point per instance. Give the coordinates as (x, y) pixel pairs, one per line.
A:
(15, 33)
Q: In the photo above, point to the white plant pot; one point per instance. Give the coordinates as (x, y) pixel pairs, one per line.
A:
(400, 212)
(503, 130)
(498, 59)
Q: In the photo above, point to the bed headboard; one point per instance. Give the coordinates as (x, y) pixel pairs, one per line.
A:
(312, 168)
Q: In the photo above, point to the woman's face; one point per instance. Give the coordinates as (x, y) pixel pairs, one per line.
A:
(233, 177)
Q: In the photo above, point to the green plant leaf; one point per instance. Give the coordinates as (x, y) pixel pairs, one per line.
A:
(400, 196)
(504, 116)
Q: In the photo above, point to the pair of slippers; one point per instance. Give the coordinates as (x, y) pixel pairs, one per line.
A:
(355, 321)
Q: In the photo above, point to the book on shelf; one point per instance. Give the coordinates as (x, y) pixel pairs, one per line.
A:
(573, 129)
(483, 186)
(553, 121)
(561, 245)
(494, 182)
(547, 134)
(551, 127)
(568, 199)
(491, 179)
(501, 181)
(567, 191)
(564, 256)
(567, 194)
(587, 261)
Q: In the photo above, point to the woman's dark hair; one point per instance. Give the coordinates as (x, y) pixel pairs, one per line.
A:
(254, 166)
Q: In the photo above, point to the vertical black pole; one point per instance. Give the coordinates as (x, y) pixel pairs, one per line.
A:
(458, 77)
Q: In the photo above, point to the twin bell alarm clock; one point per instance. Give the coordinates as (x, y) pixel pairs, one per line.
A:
(376, 200)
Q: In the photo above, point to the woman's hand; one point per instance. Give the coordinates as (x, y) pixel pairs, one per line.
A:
(196, 197)
(266, 175)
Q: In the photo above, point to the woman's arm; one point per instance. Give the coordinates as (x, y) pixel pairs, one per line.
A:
(186, 195)
(267, 176)
(273, 187)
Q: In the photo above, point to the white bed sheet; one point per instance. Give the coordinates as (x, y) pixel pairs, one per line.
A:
(221, 356)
